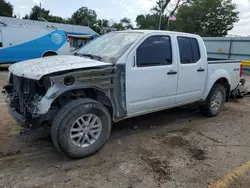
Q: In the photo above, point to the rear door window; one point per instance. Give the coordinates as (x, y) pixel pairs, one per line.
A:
(189, 50)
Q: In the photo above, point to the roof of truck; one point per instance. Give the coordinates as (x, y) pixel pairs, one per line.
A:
(157, 31)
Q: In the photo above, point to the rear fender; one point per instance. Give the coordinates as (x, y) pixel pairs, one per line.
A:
(213, 78)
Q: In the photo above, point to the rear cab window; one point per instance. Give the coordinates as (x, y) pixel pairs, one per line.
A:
(189, 50)
(154, 51)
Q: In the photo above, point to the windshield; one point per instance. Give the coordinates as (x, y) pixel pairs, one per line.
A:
(111, 46)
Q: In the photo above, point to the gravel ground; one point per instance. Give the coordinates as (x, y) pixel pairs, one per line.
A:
(172, 148)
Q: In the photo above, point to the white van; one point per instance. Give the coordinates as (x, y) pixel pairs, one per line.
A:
(19, 43)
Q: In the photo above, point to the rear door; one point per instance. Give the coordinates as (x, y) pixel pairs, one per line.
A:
(151, 75)
(192, 72)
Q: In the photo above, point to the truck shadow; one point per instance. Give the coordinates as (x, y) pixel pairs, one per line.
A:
(40, 139)
(136, 124)
(155, 120)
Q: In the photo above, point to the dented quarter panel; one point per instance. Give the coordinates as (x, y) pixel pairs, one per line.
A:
(37, 68)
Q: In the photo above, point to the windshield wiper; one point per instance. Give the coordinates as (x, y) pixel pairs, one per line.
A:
(90, 55)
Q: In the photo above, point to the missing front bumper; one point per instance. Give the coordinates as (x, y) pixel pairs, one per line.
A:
(20, 119)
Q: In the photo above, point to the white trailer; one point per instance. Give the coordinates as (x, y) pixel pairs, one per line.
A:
(20, 42)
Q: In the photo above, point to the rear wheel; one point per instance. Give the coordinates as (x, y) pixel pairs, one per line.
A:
(81, 128)
(215, 101)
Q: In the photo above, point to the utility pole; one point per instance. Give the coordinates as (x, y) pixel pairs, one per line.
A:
(40, 12)
(160, 15)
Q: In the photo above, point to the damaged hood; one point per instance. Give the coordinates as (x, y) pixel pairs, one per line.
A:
(37, 68)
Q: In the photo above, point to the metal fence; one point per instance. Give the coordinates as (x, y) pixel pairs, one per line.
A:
(228, 47)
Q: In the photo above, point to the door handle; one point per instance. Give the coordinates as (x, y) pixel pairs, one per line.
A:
(172, 72)
(200, 70)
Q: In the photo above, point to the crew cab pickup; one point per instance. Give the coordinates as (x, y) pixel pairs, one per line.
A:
(116, 76)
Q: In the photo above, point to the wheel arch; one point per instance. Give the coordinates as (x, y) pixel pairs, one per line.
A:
(89, 92)
(220, 76)
(224, 82)
(52, 52)
(53, 99)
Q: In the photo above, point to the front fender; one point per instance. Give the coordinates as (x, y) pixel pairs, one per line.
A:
(44, 104)
(55, 91)
(213, 78)
(97, 79)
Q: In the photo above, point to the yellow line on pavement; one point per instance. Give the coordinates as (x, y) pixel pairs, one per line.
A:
(231, 176)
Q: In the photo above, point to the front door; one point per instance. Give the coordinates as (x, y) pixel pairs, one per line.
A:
(151, 76)
(192, 70)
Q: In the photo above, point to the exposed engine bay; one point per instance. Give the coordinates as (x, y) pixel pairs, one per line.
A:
(23, 94)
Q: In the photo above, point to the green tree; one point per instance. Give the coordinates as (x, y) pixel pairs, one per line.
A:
(117, 26)
(162, 10)
(126, 23)
(102, 23)
(26, 17)
(42, 14)
(150, 21)
(56, 19)
(38, 13)
(206, 17)
(84, 16)
(123, 24)
(6, 8)
(166, 8)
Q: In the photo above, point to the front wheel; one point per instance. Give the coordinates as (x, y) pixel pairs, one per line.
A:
(214, 102)
(81, 128)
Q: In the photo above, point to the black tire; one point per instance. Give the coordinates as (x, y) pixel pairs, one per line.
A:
(62, 122)
(206, 108)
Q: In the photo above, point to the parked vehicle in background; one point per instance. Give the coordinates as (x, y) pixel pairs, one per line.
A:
(119, 75)
(77, 40)
(19, 43)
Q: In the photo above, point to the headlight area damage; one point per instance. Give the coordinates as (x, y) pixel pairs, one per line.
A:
(22, 96)
(35, 103)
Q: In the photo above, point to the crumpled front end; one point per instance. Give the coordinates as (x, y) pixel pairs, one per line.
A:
(33, 102)
(21, 95)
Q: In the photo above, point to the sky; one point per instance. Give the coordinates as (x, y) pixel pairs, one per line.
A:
(117, 9)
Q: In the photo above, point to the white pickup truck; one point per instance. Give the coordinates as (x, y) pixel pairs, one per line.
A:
(116, 76)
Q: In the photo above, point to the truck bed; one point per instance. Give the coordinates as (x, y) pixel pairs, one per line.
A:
(220, 60)
(232, 67)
